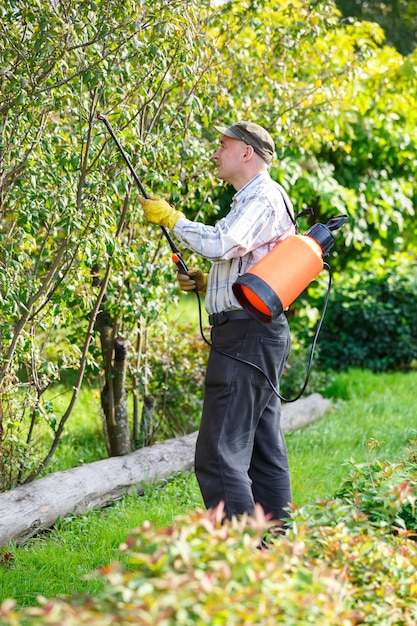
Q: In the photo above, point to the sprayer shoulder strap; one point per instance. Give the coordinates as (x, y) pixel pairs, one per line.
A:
(292, 218)
(290, 213)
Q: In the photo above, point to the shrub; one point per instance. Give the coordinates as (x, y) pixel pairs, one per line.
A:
(371, 321)
(338, 563)
(178, 369)
(379, 494)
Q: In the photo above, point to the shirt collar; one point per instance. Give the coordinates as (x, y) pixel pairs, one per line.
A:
(249, 184)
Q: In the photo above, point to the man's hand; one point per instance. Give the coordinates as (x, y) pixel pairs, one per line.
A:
(195, 280)
(159, 212)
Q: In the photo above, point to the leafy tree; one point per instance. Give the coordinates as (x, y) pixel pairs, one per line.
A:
(398, 18)
(75, 255)
(365, 163)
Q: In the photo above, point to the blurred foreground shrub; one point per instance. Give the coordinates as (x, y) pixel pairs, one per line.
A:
(349, 560)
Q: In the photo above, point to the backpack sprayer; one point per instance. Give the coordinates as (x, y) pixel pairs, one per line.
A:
(265, 291)
(272, 284)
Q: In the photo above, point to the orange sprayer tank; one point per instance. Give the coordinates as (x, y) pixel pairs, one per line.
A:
(273, 283)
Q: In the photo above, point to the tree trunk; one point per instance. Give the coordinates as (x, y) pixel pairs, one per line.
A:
(113, 394)
(114, 403)
(146, 421)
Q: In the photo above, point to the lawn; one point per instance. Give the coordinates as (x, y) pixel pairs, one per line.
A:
(364, 406)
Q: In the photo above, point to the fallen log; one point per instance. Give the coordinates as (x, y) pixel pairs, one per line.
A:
(27, 509)
(30, 508)
(303, 411)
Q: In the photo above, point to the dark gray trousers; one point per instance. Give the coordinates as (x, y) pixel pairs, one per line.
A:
(241, 455)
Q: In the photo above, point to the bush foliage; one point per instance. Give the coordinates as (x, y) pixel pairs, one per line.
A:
(349, 560)
(178, 367)
(370, 322)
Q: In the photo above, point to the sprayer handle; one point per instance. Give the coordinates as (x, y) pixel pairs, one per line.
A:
(337, 222)
(182, 268)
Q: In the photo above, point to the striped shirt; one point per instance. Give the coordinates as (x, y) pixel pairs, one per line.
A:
(256, 221)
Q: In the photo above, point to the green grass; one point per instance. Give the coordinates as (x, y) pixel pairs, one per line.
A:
(185, 313)
(366, 405)
(82, 440)
(58, 561)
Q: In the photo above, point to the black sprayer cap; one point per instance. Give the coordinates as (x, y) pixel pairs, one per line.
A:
(323, 236)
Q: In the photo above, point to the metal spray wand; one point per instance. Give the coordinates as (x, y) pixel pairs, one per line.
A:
(176, 255)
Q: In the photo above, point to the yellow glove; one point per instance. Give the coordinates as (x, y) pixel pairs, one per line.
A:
(195, 279)
(159, 212)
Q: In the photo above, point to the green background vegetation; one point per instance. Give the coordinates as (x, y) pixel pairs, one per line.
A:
(336, 85)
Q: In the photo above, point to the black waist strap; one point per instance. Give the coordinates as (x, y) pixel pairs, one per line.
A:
(216, 319)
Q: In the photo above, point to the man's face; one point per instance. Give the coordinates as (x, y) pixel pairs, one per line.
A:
(229, 158)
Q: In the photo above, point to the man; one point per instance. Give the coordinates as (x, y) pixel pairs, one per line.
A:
(241, 456)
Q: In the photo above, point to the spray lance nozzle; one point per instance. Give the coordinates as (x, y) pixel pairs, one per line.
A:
(272, 284)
